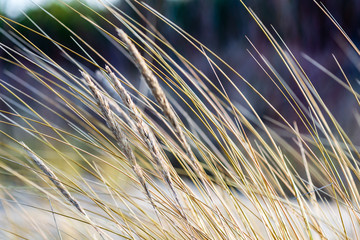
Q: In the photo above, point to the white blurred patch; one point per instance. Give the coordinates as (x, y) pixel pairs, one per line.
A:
(13, 8)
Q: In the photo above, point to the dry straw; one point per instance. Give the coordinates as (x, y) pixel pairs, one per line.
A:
(121, 139)
(168, 111)
(56, 181)
(114, 105)
(161, 98)
(147, 135)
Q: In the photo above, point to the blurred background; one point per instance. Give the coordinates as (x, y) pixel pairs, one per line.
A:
(222, 26)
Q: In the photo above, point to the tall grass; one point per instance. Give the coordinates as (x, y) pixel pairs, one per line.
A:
(103, 160)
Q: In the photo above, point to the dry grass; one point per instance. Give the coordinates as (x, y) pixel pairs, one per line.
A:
(186, 162)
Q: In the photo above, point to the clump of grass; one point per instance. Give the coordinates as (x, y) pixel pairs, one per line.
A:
(186, 162)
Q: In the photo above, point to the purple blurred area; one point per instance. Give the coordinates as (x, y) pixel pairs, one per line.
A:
(222, 26)
(304, 27)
